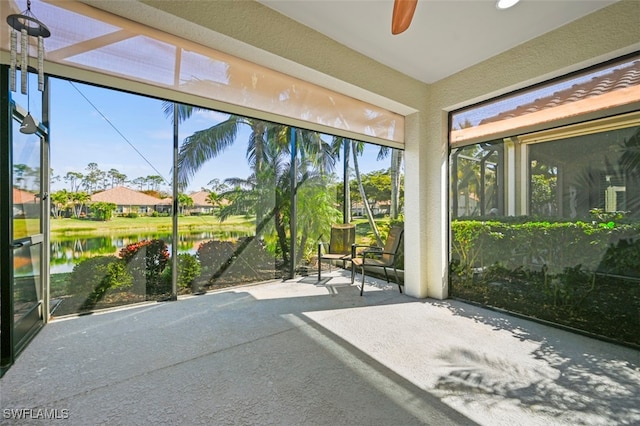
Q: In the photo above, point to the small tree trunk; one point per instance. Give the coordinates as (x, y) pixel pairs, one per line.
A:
(396, 164)
(365, 202)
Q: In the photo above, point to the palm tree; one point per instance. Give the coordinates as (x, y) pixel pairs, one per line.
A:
(630, 163)
(59, 200)
(184, 201)
(467, 176)
(356, 148)
(213, 198)
(314, 210)
(207, 144)
(79, 199)
(337, 144)
(394, 171)
(267, 192)
(365, 202)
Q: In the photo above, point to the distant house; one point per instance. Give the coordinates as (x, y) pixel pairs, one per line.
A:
(24, 204)
(378, 208)
(128, 200)
(200, 203)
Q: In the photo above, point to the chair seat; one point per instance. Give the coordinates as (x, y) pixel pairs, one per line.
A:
(369, 262)
(384, 257)
(336, 256)
(339, 248)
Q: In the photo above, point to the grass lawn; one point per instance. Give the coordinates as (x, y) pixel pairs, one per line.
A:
(58, 284)
(71, 226)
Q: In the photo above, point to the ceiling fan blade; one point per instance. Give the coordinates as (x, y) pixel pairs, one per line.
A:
(402, 15)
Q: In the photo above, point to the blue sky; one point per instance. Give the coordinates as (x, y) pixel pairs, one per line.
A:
(131, 134)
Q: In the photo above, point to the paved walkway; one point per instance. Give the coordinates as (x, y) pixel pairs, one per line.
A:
(299, 353)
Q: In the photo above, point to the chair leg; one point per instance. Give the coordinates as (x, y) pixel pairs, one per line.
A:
(353, 256)
(362, 286)
(395, 271)
(385, 274)
(319, 262)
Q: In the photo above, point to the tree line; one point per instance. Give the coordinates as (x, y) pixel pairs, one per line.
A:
(95, 179)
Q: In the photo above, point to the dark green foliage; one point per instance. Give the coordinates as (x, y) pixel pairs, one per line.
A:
(188, 270)
(477, 244)
(103, 210)
(244, 260)
(215, 257)
(146, 260)
(580, 274)
(622, 258)
(94, 277)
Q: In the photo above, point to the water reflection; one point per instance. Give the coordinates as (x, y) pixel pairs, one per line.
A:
(68, 251)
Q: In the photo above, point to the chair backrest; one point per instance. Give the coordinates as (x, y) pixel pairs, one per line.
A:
(343, 236)
(392, 245)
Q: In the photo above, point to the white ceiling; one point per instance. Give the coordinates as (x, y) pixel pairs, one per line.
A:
(445, 36)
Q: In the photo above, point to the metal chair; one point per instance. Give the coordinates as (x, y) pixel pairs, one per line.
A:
(343, 236)
(382, 257)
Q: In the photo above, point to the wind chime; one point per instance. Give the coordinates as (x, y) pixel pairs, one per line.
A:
(26, 25)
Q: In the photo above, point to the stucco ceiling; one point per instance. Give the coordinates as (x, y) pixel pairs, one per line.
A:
(445, 36)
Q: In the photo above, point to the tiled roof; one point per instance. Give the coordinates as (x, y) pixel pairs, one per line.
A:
(123, 196)
(23, 197)
(164, 201)
(200, 199)
(618, 78)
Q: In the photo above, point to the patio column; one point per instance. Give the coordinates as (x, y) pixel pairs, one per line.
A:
(426, 201)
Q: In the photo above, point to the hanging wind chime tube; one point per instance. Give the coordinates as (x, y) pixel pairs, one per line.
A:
(24, 62)
(41, 63)
(14, 61)
(27, 25)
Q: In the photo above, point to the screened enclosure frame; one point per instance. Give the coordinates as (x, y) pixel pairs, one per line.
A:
(6, 265)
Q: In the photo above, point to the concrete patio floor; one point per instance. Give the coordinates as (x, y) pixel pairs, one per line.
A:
(303, 353)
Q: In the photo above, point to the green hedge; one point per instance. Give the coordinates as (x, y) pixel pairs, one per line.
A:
(584, 275)
(93, 278)
(602, 247)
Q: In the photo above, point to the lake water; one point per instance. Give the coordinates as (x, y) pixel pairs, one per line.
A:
(67, 251)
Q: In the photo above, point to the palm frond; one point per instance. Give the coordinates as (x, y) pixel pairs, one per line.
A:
(204, 145)
(184, 111)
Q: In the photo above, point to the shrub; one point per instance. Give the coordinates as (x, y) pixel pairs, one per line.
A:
(103, 210)
(146, 260)
(580, 274)
(622, 258)
(244, 260)
(93, 277)
(132, 215)
(215, 257)
(188, 270)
